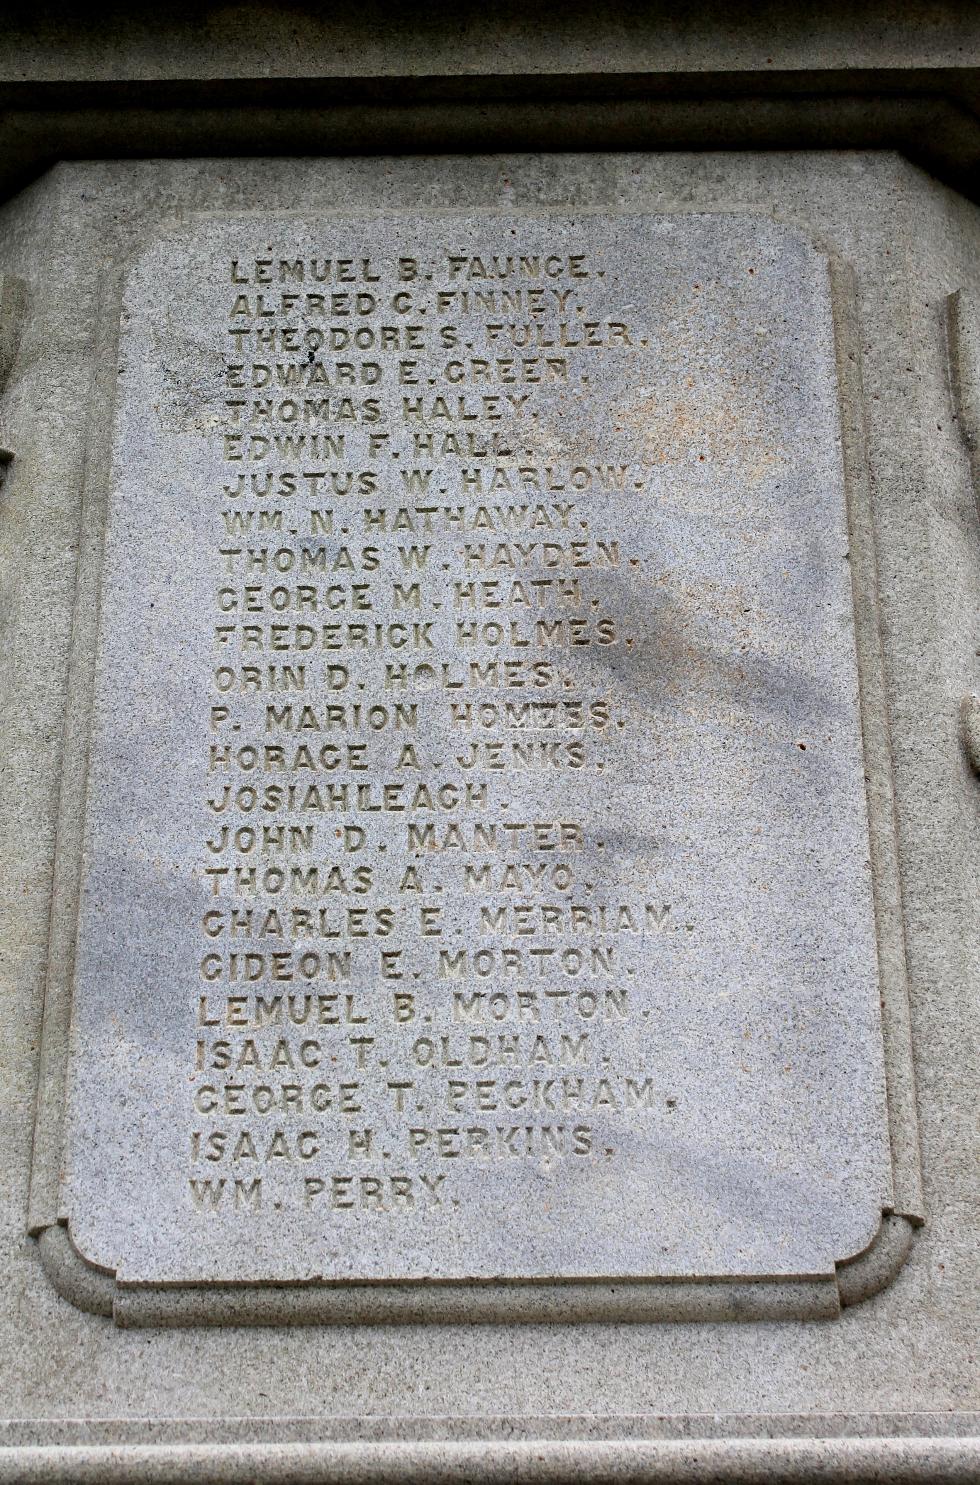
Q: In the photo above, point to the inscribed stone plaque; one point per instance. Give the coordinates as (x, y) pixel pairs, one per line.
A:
(476, 876)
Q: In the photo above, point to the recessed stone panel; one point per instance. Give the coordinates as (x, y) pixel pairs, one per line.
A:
(476, 878)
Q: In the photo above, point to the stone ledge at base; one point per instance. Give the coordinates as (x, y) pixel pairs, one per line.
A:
(697, 1461)
(710, 1300)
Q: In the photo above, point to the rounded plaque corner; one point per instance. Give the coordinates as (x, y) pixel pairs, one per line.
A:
(970, 729)
(72, 1276)
(877, 1266)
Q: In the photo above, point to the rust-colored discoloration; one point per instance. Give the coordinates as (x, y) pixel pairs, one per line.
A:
(708, 422)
